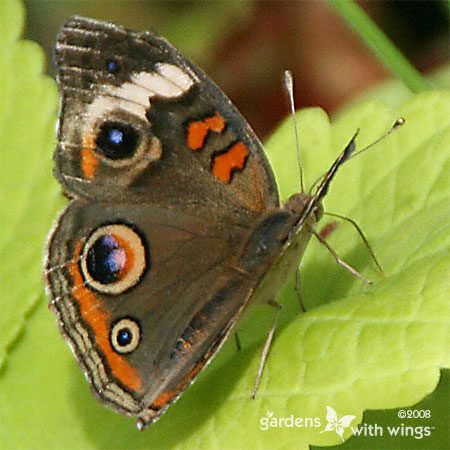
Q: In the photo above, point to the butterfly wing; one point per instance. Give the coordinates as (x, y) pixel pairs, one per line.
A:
(146, 296)
(141, 123)
(174, 221)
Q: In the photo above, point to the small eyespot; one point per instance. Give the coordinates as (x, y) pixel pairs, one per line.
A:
(117, 141)
(112, 66)
(113, 259)
(125, 335)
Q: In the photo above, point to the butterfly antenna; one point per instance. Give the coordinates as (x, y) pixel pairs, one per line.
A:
(322, 189)
(397, 124)
(326, 178)
(289, 85)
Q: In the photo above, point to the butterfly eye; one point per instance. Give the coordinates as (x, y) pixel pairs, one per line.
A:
(117, 141)
(114, 259)
(112, 66)
(125, 335)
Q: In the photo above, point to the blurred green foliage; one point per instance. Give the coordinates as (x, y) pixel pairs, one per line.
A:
(357, 348)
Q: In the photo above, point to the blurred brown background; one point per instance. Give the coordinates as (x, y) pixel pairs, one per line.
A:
(245, 45)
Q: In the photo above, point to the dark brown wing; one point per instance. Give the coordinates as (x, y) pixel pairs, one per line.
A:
(141, 123)
(146, 296)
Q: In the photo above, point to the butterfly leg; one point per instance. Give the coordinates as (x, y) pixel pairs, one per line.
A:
(266, 348)
(298, 291)
(361, 235)
(340, 261)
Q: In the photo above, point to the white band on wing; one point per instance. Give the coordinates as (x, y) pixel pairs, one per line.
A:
(134, 96)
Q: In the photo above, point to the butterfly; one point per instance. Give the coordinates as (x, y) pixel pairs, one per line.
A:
(174, 223)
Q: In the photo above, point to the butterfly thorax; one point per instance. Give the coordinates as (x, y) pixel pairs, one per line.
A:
(277, 243)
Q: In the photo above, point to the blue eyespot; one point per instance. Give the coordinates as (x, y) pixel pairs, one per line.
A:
(112, 66)
(106, 260)
(124, 337)
(116, 140)
(116, 136)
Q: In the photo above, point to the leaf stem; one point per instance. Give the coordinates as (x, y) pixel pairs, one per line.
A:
(381, 45)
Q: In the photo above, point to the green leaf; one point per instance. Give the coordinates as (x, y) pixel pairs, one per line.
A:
(356, 348)
(27, 195)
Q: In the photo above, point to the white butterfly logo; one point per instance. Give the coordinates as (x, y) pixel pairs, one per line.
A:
(337, 424)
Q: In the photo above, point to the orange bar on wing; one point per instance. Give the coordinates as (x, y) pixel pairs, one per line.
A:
(89, 160)
(233, 159)
(215, 123)
(163, 398)
(198, 130)
(98, 319)
(167, 396)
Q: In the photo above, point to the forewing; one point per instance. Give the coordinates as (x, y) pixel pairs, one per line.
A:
(188, 146)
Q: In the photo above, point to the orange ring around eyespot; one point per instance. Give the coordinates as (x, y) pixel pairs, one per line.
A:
(135, 264)
(89, 160)
(96, 316)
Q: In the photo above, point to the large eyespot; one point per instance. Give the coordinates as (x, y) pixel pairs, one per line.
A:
(113, 259)
(114, 138)
(117, 141)
(125, 335)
